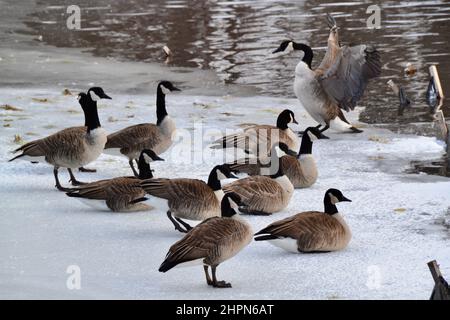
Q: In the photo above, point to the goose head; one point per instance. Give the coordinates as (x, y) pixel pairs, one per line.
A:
(145, 158)
(223, 172)
(167, 87)
(284, 118)
(149, 155)
(286, 46)
(277, 151)
(230, 205)
(97, 93)
(333, 196)
(313, 133)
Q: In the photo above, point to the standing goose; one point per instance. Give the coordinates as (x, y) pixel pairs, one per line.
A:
(311, 231)
(339, 81)
(190, 199)
(212, 242)
(256, 137)
(264, 195)
(73, 147)
(301, 169)
(157, 137)
(122, 194)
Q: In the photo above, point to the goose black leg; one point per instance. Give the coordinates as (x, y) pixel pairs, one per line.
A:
(83, 169)
(74, 180)
(325, 128)
(175, 223)
(218, 284)
(136, 174)
(185, 224)
(208, 279)
(58, 185)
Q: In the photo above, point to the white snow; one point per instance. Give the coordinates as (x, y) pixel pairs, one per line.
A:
(395, 217)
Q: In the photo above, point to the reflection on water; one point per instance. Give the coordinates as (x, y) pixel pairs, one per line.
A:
(235, 38)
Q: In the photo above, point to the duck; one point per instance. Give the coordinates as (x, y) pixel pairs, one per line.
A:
(191, 199)
(311, 231)
(258, 139)
(73, 147)
(158, 137)
(300, 168)
(264, 195)
(212, 242)
(337, 84)
(120, 194)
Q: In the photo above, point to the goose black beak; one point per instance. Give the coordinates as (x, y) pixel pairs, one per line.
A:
(105, 96)
(345, 199)
(291, 153)
(156, 158)
(294, 121)
(175, 89)
(231, 175)
(322, 136)
(277, 50)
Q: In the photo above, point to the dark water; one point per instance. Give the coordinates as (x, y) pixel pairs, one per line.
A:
(235, 39)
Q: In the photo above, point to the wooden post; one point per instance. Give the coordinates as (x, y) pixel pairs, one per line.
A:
(441, 290)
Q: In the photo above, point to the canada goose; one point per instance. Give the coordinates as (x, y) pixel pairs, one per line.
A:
(339, 81)
(301, 168)
(73, 147)
(256, 137)
(264, 195)
(157, 137)
(122, 194)
(212, 242)
(190, 199)
(311, 231)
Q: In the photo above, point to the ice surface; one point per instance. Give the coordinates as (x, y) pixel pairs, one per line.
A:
(393, 215)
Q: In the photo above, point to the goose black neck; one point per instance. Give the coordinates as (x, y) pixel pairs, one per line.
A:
(213, 181)
(306, 145)
(144, 169)
(161, 111)
(282, 123)
(330, 208)
(91, 119)
(307, 58)
(279, 172)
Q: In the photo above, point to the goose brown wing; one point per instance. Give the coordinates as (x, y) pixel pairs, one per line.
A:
(346, 79)
(254, 191)
(186, 189)
(140, 134)
(205, 240)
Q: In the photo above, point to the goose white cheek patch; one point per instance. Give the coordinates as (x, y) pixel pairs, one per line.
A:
(279, 152)
(94, 97)
(165, 90)
(290, 47)
(334, 200)
(233, 204)
(312, 136)
(220, 175)
(147, 158)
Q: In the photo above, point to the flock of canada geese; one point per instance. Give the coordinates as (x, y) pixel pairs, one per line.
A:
(336, 84)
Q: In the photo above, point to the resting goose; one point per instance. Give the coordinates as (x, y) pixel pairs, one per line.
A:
(311, 231)
(264, 195)
(339, 81)
(73, 147)
(122, 194)
(263, 135)
(190, 199)
(212, 242)
(301, 168)
(157, 137)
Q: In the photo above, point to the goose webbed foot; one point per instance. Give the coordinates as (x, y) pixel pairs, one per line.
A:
(74, 180)
(57, 184)
(175, 223)
(83, 169)
(355, 130)
(218, 284)
(222, 284)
